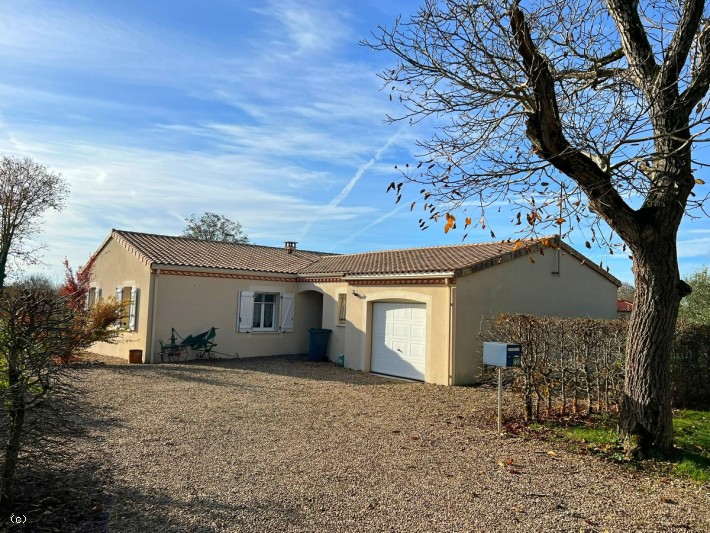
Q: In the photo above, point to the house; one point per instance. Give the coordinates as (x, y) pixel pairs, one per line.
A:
(623, 309)
(414, 313)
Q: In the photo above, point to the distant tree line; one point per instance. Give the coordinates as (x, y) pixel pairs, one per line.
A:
(694, 308)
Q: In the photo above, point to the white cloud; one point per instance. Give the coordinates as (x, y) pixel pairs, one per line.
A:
(52, 36)
(309, 27)
(152, 191)
(695, 248)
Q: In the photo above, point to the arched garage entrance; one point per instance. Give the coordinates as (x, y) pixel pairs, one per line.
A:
(399, 339)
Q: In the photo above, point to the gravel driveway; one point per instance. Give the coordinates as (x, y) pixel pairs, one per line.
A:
(278, 444)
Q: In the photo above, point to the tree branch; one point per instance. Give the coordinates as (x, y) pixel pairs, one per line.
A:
(679, 47)
(545, 131)
(634, 41)
(698, 88)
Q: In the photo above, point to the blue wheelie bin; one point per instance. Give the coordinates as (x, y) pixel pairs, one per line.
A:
(318, 348)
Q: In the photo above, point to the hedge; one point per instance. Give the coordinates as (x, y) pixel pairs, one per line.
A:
(576, 365)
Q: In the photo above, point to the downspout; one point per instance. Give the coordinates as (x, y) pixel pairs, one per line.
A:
(452, 330)
(154, 302)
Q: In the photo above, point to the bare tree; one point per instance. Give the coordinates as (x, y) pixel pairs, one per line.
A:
(214, 227)
(39, 329)
(593, 107)
(626, 292)
(27, 190)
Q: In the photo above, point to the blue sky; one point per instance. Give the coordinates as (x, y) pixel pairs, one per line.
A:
(268, 112)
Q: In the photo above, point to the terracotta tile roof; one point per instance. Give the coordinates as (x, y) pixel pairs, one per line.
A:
(622, 306)
(430, 260)
(461, 259)
(186, 252)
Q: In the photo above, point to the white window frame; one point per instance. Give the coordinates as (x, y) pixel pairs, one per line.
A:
(263, 304)
(283, 318)
(342, 309)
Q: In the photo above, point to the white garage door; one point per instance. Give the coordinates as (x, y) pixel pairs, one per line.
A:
(399, 339)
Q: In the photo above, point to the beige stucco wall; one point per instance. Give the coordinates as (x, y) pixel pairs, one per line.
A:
(354, 339)
(522, 287)
(328, 317)
(308, 314)
(115, 267)
(193, 304)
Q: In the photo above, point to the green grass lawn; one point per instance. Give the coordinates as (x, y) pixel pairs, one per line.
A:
(597, 434)
(692, 439)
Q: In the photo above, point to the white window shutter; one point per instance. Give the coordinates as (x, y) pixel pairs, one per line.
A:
(119, 296)
(98, 295)
(132, 311)
(87, 300)
(245, 318)
(287, 305)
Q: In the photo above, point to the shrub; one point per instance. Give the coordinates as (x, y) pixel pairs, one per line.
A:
(576, 365)
(690, 366)
(38, 328)
(568, 365)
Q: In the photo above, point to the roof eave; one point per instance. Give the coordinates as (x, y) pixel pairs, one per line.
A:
(301, 274)
(126, 243)
(495, 260)
(530, 249)
(586, 261)
(417, 275)
(239, 271)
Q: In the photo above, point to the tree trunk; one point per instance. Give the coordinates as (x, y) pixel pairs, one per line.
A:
(4, 252)
(645, 421)
(12, 448)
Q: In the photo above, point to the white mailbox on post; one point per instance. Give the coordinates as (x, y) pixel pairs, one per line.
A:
(501, 354)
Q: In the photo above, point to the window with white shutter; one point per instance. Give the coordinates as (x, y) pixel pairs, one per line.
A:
(128, 298)
(93, 295)
(287, 304)
(245, 314)
(265, 311)
(119, 299)
(132, 309)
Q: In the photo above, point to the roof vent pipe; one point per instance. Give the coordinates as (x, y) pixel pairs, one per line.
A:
(290, 246)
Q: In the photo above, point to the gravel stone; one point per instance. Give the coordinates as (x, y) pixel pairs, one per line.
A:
(283, 444)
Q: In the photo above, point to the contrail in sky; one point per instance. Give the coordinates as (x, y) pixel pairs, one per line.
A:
(343, 194)
(371, 224)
